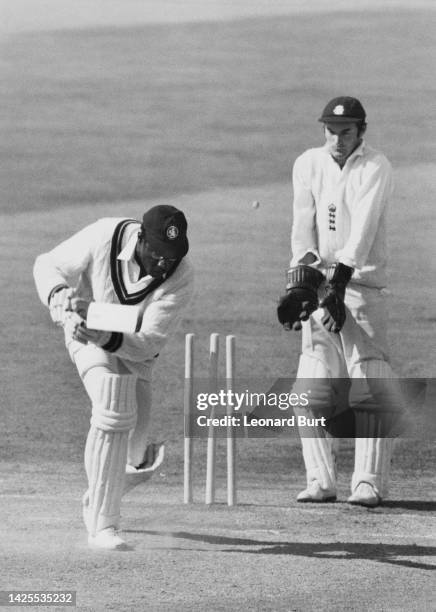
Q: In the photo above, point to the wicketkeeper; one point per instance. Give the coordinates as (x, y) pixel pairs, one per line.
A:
(118, 261)
(336, 293)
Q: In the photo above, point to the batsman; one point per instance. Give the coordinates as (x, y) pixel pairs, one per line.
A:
(126, 262)
(336, 293)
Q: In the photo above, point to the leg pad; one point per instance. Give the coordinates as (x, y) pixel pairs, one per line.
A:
(113, 416)
(318, 448)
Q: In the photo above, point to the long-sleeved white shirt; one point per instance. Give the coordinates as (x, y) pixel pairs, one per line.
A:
(99, 262)
(339, 215)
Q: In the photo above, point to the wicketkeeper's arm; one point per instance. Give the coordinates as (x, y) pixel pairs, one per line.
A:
(304, 241)
(367, 209)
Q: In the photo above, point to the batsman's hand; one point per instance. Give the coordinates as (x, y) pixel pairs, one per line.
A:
(95, 336)
(296, 306)
(75, 327)
(65, 300)
(79, 305)
(59, 304)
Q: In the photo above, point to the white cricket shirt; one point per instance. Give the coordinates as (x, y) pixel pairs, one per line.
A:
(339, 215)
(99, 262)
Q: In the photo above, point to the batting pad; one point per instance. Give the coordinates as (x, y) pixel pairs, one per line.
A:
(319, 450)
(372, 455)
(319, 456)
(376, 389)
(113, 416)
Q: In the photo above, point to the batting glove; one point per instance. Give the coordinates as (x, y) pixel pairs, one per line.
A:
(58, 303)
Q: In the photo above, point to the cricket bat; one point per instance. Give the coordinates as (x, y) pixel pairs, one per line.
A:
(114, 317)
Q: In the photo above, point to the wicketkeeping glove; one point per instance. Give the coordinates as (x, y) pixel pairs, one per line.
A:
(338, 276)
(301, 297)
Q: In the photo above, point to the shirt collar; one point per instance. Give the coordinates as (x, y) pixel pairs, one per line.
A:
(358, 152)
(128, 252)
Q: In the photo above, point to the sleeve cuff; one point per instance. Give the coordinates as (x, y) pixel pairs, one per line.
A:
(347, 261)
(309, 258)
(114, 343)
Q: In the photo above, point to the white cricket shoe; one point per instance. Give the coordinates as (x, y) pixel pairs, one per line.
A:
(107, 539)
(316, 494)
(365, 495)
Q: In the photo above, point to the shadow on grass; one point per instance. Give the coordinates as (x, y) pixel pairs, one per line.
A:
(396, 506)
(411, 504)
(383, 553)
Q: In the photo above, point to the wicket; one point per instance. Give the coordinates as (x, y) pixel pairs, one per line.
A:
(211, 440)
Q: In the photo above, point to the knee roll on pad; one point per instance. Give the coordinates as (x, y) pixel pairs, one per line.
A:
(116, 409)
(327, 396)
(376, 399)
(374, 423)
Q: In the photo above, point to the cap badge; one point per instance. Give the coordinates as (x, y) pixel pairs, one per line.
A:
(172, 232)
(338, 110)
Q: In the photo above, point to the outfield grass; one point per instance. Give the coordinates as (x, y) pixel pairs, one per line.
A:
(114, 114)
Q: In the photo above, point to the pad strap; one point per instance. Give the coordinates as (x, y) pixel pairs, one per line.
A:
(117, 408)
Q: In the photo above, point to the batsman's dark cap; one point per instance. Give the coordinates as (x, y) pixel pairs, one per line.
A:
(343, 109)
(165, 229)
